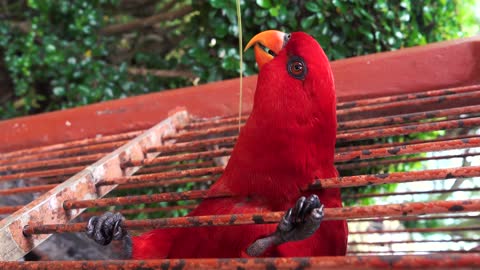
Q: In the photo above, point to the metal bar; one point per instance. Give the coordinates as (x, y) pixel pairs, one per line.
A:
(405, 209)
(430, 261)
(356, 155)
(410, 103)
(69, 161)
(376, 163)
(96, 148)
(81, 186)
(44, 173)
(183, 146)
(403, 97)
(413, 242)
(215, 122)
(160, 176)
(347, 181)
(408, 117)
(359, 135)
(421, 230)
(32, 189)
(145, 210)
(151, 198)
(398, 177)
(203, 132)
(10, 209)
(412, 252)
(168, 182)
(409, 142)
(84, 142)
(407, 129)
(415, 218)
(180, 157)
(162, 168)
(369, 195)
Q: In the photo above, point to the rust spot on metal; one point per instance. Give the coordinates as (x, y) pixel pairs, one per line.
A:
(394, 150)
(456, 208)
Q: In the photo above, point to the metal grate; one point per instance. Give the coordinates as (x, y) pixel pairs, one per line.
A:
(373, 133)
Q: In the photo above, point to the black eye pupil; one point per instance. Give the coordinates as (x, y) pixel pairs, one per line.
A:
(296, 67)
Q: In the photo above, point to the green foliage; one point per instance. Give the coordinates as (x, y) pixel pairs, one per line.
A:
(62, 60)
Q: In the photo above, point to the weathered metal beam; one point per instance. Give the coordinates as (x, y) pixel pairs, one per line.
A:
(48, 207)
(430, 261)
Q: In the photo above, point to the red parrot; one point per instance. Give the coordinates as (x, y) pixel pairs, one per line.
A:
(286, 143)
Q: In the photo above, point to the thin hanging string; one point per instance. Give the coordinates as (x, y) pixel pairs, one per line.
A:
(240, 49)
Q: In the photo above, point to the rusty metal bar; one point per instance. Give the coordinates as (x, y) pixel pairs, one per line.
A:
(413, 242)
(407, 149)
(203, 132)
(184, 146)
(84, 142)
(96, 148)
(409, 117)
(405, 209)
(144, 210)
(162, 168)
(407, 129)
(376, 163)
(369, 195)
(151, 198)
(32, 189)
(347, 181)
(410, 103)
(398, 177)
(430, 261)
(402, 97)
(180, 157)
(81, 186)
(168, 182)
(10, 209)
(409, 142)
(215, 122)
(421, 230)
(413, 252)
(415, 218)
(44, 173)
(68, 161)
(160, 176)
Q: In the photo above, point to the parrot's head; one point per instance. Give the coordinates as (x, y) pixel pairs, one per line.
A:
(295, 83)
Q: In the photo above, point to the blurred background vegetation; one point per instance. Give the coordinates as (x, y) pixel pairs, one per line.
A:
(61, 54)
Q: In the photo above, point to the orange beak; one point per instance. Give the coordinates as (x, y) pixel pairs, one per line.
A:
(266, 45)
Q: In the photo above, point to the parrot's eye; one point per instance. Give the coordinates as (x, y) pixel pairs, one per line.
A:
(296, 67)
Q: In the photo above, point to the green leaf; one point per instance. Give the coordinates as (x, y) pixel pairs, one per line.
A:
(307, 22)
(312, 6)
(264, 3)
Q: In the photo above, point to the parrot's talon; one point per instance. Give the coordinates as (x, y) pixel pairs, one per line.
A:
(105, 228)
(298, 223)
(301, 221)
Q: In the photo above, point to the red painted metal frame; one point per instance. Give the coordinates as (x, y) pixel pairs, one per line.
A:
(435, 66)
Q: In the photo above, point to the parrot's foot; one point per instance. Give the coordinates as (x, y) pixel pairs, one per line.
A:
(298, 223)
(108, 227)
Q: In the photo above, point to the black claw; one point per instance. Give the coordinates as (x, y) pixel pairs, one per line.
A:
(301, 221)
(106, 228)
(298, 223)
(297, 211)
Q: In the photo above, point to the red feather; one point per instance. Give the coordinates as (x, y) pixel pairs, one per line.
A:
(288, 140)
